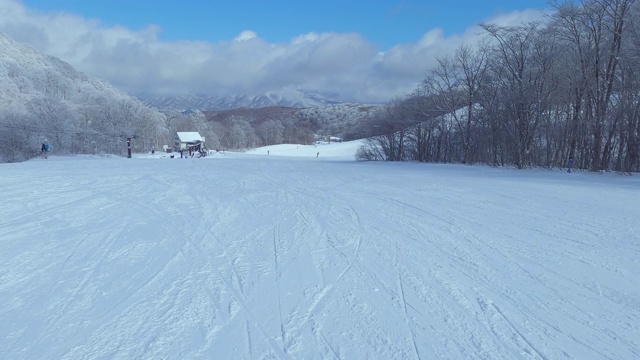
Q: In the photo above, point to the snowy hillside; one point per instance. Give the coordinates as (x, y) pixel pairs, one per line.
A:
(26, 74)
(43, 99)
(281, 254)
(339, 119)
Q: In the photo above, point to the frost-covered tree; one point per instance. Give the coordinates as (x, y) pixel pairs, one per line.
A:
(19, 139)
(56, 122)
(271, 132)
(240, 135)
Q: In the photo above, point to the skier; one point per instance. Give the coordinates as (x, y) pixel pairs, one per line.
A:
(570, 164)
(44, 149)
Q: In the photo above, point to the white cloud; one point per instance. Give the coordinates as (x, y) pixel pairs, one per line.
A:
(139, 62)
(519, 17)
(246, 35)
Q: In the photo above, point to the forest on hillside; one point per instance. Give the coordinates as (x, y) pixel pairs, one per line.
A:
(530, 95)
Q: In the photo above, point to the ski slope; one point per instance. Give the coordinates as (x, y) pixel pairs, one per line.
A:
(293, 256)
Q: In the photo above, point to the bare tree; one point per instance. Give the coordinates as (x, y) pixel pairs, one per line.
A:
(594, 31)
(522, 79)
(534, 95)
(454, 86)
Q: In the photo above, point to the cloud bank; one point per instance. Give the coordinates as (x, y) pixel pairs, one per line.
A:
(343, 64)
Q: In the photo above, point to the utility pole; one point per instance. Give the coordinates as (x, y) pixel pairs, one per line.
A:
(129, 145)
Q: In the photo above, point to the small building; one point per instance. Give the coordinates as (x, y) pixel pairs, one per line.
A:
(189, 141)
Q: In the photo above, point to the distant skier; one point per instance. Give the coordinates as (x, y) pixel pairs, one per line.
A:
(570, 164)
(44, 149)
(318, 154)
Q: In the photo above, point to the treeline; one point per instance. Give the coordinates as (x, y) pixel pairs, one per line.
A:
(530, 95)
(99, 125)
(102, 125)
(243, 128)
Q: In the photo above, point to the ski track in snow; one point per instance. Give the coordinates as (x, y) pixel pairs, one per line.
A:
(248, 257)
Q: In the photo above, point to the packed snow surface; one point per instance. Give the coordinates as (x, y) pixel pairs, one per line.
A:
(315, 256)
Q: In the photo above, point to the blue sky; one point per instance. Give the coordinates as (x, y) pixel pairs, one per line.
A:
(385, 23)
(367, 51)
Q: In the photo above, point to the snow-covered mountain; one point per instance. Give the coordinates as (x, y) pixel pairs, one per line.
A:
(284, 98)
(44, 99)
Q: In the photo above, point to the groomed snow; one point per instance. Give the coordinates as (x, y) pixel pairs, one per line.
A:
(249, 256)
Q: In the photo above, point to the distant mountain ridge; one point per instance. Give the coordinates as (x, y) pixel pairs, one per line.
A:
(283, 98)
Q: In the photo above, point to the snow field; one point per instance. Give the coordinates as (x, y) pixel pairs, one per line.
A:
(253, 257)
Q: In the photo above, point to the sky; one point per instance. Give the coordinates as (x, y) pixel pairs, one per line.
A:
(293, 256)
(366, 51)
